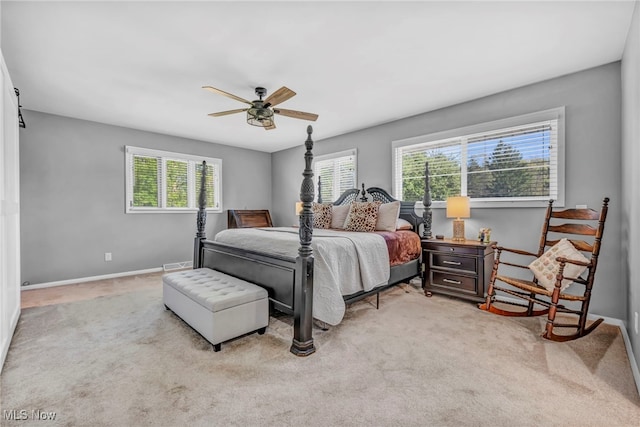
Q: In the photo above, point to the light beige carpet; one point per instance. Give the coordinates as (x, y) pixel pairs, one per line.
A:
(124, 361)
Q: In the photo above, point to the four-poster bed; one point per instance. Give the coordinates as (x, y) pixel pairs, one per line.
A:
(289, 277)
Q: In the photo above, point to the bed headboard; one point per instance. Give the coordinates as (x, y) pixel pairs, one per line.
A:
(407, 209)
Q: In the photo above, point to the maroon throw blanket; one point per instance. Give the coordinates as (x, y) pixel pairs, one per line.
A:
(403, 245)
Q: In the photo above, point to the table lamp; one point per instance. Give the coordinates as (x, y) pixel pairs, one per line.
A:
(298, 208)
(458, 207)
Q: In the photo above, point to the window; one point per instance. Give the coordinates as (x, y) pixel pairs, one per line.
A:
(337, 173)
(517, 161)
(160, 181)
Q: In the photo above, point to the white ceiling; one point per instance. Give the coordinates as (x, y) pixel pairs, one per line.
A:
(356, 64)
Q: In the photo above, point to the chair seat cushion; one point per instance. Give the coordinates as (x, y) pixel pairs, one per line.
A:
(546, 267)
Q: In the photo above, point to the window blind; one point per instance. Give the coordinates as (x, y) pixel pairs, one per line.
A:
(162, 181)
(146, 181)
(337, 173)
(514, 163)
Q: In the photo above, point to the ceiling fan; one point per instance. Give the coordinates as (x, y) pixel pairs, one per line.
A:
(261, 111)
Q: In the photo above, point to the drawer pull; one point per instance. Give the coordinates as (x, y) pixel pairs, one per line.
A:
(452, 262)
(455, 282)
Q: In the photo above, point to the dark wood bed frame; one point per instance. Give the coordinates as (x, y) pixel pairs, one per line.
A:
(289, 280)
(248, 218)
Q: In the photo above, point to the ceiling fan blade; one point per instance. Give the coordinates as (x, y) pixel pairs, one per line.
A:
(296, 114)
(224, 113)
(230, 95)
(273, 126)
(279, 96)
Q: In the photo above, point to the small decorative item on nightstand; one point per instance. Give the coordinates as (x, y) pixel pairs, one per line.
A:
(484, 235)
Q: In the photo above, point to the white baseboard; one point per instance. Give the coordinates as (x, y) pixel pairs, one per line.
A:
(89, 279)
(627, 344)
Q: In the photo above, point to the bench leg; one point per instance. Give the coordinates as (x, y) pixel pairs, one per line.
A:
(217, 347)
(261, 331)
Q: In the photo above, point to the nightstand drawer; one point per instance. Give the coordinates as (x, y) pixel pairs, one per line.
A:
(454, 250)
(454, 261)
(446, 280)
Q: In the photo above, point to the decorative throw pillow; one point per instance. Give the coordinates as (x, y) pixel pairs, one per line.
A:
(403, 224)
(362, 216)
(339, 216)
(388, 216)
(546, 267)
(321, 215)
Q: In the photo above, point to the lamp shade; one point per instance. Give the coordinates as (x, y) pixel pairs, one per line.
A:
(458, 207)
(298, 208)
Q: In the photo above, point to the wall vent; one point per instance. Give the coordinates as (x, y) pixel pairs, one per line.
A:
(177, 265)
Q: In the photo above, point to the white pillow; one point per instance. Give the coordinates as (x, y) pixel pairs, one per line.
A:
(403, 224)
(339, 216)
(388, 216)
(546, 267)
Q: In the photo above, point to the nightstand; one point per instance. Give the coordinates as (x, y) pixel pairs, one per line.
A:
(456, 268)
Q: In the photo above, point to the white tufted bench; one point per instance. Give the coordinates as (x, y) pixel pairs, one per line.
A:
(218, 306)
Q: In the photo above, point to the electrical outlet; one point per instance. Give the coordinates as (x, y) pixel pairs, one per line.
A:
(107, 256)
(581, 206)
(636, 325)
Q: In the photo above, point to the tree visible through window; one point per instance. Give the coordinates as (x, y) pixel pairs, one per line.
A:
(145, 187)
(162, 181)
(516, 163)
(177, 185)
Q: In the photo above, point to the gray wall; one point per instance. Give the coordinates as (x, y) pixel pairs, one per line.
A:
(73, 199)
(592, 99)
(630, 237)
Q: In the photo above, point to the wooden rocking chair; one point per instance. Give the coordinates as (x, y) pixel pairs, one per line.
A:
(550, 294)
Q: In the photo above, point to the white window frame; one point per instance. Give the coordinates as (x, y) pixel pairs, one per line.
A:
(335, 191)
(470, 131)
(165, 156)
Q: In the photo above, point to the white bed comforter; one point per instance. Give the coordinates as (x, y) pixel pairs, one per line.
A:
(344, 262)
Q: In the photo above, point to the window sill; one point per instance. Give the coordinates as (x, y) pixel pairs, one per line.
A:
(505, 204)
(172, 211)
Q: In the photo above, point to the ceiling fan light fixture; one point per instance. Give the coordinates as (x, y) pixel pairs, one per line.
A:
(261, 112)
(259, 116)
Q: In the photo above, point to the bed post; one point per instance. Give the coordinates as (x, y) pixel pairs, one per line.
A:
(363, 198)
(319, 189)
(302, 344)
(201, 218)
(426, 202)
